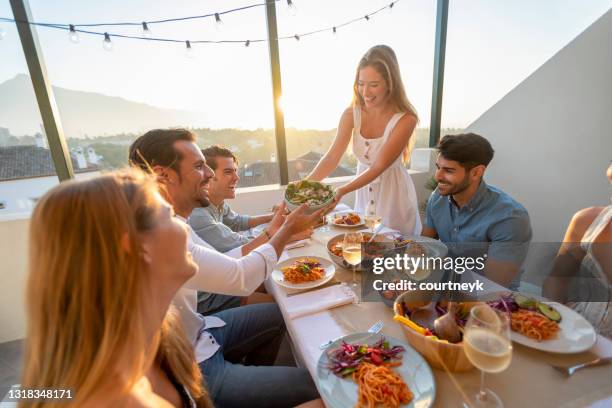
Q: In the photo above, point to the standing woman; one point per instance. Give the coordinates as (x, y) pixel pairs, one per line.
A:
(380, 121)
(106, 258)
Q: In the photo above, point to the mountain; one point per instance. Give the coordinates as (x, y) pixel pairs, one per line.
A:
(85, 113)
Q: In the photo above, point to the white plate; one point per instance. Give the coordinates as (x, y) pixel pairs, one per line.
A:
(278, 277)
(342, 392)
(576, 334)
(333, 215)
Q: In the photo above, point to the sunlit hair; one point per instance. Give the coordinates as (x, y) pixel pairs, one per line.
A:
(86, 291)
(382, 58)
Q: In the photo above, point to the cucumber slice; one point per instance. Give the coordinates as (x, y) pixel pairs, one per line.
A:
(525, 302)
(549, 312)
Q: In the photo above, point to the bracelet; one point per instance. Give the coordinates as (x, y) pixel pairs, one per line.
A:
(267, 233)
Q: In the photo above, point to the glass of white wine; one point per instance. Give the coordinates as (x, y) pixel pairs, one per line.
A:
(372, 220)
(487, 345)
(351, 252)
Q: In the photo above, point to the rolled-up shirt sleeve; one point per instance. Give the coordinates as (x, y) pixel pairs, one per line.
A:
(510, 237)
(222, 273)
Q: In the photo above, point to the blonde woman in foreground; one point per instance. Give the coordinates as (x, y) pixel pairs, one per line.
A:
(380, 122)
(106, 258)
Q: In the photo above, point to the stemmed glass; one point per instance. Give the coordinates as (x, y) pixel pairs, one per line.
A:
(372, 220)
(351, 252)
(487, 345)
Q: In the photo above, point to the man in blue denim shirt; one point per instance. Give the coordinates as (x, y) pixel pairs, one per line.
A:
(464, 210)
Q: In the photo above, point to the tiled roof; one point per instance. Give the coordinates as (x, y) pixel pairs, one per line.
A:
(262, 173)
(17, 162)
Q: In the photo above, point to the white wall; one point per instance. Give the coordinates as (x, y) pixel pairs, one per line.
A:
(552, 134)
(13, 267)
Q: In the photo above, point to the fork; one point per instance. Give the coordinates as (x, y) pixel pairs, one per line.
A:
(568, 371)
(376, 327)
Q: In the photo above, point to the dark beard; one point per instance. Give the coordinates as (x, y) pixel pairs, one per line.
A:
(465, 183)
(203, 202)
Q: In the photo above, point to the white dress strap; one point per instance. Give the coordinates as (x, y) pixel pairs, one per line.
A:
(391, 125)
(356, 119)
(598, 225)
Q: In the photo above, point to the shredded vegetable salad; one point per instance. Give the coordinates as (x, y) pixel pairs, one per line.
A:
(345, 359)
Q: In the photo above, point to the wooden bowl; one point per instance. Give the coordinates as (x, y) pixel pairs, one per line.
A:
(440, 354)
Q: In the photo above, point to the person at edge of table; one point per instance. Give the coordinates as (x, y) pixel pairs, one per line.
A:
(235, 348)
(463, 209)
(582, 272)
(220, 226)
(379, 125)
(128, 348)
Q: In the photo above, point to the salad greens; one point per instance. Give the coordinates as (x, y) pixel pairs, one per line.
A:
(309, 192)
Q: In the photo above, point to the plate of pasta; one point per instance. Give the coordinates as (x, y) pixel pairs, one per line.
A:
(546, 326)
(303, 272)
(373, 370)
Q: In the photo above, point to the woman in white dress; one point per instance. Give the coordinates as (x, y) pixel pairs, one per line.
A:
(380, 122)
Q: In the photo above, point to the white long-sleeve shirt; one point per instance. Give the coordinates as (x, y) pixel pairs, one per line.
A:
(228, 274)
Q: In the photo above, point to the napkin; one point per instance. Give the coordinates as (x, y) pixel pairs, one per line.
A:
(319, 300)
(298, 244)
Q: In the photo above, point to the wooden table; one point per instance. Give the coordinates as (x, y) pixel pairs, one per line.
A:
(528, 381)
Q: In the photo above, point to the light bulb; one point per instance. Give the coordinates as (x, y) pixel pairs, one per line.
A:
(291, 7)
(188, 50)
(218, 22)
(146, 33)
(73, 35)
(334, 30)
(247, 43)
(367, 17)
(297, 37)
(107, 44)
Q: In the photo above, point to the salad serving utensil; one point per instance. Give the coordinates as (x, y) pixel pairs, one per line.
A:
(446, 326)
(569, 371)
(375, 233)
(376, 327)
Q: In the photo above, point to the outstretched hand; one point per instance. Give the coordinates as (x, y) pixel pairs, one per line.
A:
(278, 218)
(299, 221)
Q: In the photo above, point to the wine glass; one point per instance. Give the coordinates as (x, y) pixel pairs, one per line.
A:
(351, 252)
(372, 220)
(487, 345)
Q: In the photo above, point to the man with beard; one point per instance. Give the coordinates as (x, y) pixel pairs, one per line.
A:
(467, 211)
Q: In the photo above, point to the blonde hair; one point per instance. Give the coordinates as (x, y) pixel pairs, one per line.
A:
(382, 58)
(86, 309)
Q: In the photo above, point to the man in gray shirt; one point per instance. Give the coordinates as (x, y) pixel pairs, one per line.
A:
(224, 229)
(217, 224)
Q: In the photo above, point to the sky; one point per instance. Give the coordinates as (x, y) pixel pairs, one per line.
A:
(492, 46)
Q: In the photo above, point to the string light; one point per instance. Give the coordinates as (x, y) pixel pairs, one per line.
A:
(188, 50)
(146, 33)
(73, 36)
(218, 22)
(107, 44)
(292, 8)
